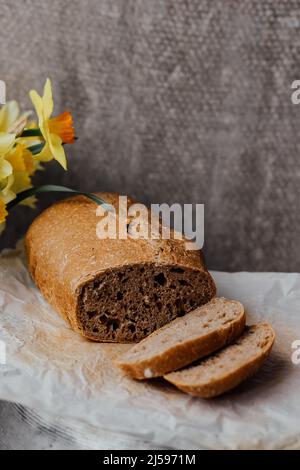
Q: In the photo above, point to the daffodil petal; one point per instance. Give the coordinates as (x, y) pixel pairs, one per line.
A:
(38, 104)
(53, 143)
(57, 150)
(21, 182)
(45, 155)
(13, 112)
(48, 100)
(6, 142)
(6, 169)
(7, 194)
(9, 113)
(21, 159)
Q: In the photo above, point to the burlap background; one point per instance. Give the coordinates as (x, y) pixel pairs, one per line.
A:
(176, 101)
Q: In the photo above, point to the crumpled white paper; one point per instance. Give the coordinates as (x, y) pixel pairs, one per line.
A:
(52, 369)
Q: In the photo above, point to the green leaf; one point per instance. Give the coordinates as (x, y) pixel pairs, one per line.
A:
(54, 188)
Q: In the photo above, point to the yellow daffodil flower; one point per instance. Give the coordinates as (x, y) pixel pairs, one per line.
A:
(24, 166)
(6, 170)
(56, 131)
(21, 159)
(16, 168)
(24, 144)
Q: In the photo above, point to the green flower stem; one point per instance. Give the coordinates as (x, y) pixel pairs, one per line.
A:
(31, 133)
(53, 188)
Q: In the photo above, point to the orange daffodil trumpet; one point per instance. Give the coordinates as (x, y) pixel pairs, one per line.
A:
(25, 145)
(55, 131)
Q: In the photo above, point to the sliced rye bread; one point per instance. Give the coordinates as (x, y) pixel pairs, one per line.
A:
(227, 368)
(185, 339)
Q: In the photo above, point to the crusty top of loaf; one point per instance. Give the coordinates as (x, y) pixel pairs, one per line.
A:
(64, 235)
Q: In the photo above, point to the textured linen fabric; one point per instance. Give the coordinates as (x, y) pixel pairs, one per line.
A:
(174, 101)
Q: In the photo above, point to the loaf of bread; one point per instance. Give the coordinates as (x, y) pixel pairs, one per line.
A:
(227, 368)
(115, 290)
(185, 339)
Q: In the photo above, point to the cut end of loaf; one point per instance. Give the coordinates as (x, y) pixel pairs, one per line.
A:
(129, 303)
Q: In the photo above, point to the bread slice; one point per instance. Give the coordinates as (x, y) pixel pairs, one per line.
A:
(112, 289)
(185, 339)
(229, 367)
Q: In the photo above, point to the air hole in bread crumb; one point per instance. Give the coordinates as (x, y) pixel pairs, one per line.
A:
(160, 279)
(131, 328)
(92, 314)
(180, 307)
(177, 270)
(113, 324)
(119, 295)
(98, 284)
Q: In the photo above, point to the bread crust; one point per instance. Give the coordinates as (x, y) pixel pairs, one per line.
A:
(184, 352)
(64, 253)
(225, 382)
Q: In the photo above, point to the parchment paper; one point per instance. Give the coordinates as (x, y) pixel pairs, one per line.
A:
(52, 369)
